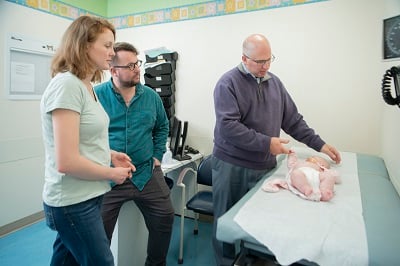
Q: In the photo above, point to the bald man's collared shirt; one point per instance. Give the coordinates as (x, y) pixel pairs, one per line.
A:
(259, 80)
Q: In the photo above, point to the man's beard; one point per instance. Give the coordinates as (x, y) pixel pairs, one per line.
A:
(128, 84)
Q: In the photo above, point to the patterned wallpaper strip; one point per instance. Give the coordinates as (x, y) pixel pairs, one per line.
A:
(194, 11)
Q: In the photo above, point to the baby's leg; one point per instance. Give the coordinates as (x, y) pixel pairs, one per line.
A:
(327, 184)
(300, 182)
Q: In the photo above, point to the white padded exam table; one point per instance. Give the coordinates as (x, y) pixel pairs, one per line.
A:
(380, 209)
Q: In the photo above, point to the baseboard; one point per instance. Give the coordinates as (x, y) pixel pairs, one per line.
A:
(202, 217)
(11, 227)
(206, 218)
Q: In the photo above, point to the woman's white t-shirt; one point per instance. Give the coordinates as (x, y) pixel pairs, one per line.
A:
(66, 91)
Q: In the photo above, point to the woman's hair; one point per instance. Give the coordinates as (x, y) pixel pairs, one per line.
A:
(72, 54)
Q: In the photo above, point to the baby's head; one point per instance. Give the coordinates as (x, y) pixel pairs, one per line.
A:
(318, 161)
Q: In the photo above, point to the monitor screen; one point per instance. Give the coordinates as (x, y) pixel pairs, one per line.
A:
(175, 136)
(184, 125)
(177, 139)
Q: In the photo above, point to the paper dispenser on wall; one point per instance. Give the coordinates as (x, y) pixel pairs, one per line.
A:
(162, 54)
(157, 55)
(165, 90)
(158, 68)
(159, 75)
(160, 80)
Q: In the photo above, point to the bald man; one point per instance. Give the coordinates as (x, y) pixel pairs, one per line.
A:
(251, 107)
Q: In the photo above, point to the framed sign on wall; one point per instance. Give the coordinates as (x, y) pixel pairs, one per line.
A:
(27, 67)
(391, 38)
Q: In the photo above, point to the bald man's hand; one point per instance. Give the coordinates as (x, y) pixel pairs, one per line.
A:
(276, 147)
(331, 152)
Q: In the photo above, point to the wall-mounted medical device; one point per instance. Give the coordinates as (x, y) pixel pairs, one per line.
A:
(391, 76)
(391, 38)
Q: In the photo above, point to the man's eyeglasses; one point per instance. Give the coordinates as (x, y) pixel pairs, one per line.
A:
(262, 62)
(131, 66)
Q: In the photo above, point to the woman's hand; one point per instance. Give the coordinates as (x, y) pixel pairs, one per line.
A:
(120, 159)
(120, 174)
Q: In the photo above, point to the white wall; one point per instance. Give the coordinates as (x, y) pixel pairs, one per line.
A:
(328, 56)
(21, 149)
(391, 115)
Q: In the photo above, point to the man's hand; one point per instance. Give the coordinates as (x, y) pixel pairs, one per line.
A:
(331, 152)
(276, 147)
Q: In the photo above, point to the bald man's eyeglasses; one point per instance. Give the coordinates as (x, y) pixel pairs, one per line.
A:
(131, 66)
(262, 62)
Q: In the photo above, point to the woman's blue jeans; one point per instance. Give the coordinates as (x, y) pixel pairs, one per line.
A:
(81, 238)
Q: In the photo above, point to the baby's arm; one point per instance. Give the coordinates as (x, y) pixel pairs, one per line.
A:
(291, 159)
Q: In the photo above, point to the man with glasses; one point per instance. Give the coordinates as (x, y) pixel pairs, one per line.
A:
(139, 127)
(251, 107)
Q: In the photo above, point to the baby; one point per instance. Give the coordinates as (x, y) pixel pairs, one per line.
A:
(313, 177)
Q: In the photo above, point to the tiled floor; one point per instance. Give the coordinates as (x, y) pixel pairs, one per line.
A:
(32, 245)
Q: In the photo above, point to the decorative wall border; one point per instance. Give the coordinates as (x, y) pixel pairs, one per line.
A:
(174, 14)
(54, 7)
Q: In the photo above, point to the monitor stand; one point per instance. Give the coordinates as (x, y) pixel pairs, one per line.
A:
(183, 157)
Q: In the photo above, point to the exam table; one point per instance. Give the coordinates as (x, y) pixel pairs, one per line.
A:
(380, 211)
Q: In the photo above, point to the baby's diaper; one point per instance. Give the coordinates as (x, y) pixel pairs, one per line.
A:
(312, 176)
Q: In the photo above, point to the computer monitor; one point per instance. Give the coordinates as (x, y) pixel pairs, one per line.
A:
(178, 138)
(181, 150)
(175, 134)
